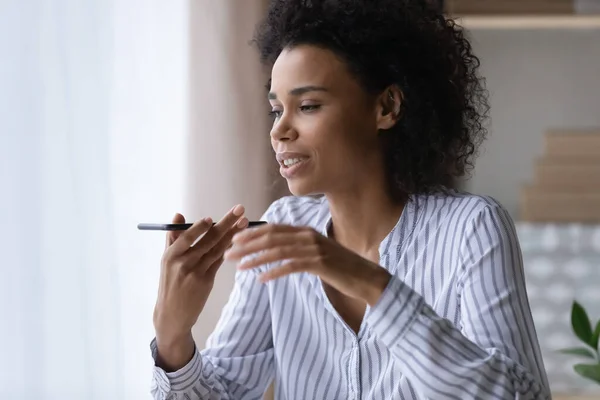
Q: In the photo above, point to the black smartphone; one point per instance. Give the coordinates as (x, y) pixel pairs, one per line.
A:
(181, 227)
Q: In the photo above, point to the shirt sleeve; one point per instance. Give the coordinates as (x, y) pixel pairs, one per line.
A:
(237, 363)
(494, 353)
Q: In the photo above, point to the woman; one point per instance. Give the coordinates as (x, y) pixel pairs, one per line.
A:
(388, 286)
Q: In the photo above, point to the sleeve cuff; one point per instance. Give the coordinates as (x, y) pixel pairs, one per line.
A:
(180, 380)
(395, 312)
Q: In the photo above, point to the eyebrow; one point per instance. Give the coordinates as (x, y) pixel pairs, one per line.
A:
(299, 91)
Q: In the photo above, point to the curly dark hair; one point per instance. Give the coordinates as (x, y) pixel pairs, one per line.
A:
(410, 44)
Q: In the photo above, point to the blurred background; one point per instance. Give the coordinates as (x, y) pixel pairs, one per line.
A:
(119, 112)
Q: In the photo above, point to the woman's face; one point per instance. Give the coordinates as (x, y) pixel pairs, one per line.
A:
(325, 124)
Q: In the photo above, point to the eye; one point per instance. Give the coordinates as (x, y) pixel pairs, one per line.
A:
(310, 108)
(275, 114)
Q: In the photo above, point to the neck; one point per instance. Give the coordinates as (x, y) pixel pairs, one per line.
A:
(362, 216)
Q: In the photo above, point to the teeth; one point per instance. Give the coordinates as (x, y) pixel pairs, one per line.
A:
(291, 161)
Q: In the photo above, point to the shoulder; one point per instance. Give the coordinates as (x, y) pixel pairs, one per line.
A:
(482, 225)
(462, 209)
(470, 219)
(296, 210)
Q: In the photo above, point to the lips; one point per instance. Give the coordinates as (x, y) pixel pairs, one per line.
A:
(289, 159)
(292, 164)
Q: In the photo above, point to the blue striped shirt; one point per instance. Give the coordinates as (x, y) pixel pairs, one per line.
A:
(453, 323)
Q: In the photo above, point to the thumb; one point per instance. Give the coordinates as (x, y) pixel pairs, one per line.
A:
(173, 235)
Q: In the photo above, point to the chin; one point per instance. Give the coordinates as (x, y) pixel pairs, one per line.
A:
(300, 187)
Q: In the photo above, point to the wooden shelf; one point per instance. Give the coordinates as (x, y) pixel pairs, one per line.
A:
(526, 22)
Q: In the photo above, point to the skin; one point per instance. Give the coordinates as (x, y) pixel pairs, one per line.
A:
(321, 111)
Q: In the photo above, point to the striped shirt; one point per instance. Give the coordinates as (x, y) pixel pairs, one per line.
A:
(453, 323)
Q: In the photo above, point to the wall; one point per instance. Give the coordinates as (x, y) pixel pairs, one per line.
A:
(228, 145)
(537, 80)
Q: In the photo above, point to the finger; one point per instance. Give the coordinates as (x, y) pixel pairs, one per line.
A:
(253, 233)
(188, 237)
(208, 256)
(269, 240)
(221, 228)
(173, 235)
(282, 253)
(290, 267)
(214, 259)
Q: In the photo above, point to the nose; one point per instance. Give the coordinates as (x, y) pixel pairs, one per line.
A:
(283, 131)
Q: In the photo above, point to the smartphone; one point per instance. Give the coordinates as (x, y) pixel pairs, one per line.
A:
(181, 227)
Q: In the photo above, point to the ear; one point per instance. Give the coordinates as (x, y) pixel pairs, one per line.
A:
(389, 106)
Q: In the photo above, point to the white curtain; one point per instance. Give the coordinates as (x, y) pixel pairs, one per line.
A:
(93, 125)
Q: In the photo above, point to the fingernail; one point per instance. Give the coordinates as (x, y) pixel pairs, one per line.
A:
(238, 210)
(208, 220)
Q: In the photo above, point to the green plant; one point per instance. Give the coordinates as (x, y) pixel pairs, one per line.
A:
(582, 326)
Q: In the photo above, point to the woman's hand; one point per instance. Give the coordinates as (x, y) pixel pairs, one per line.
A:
(305, 250)
(188, 270)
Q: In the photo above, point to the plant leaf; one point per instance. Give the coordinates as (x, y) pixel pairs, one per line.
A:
(579, 351)
(581, 323)
(596, 336)
(589, 371)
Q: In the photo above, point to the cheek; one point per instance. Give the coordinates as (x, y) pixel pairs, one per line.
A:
(335, 154)
(338, 140)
